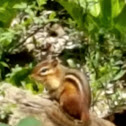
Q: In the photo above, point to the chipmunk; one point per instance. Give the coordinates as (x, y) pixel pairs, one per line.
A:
(68, 86)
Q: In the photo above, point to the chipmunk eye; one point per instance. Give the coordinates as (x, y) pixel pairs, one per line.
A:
(44, 70)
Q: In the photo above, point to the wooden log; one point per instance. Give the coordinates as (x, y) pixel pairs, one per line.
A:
(42, 108)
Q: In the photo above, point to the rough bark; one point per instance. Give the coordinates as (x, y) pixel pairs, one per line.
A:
(42, 108)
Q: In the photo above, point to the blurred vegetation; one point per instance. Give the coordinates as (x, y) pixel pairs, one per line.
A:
(102, 21)
(10, 36)
(29, 121)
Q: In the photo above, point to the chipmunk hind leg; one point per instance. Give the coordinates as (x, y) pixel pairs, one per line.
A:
(85, 114)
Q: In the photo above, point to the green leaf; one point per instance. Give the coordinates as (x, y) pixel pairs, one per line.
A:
(71, 63)
(52, 15)
(4, 64)
(8, 10)
(2, 124)
(117, 6)
(29, 121)
(119, 75)
(105, 13)
(2, 9)
(29, 86)
(74, 9)
(18, 74)
(41, 2)
(94, 7)
(120, 23)
(20, 6)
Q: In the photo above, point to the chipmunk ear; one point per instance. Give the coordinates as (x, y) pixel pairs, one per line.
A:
(55, 62)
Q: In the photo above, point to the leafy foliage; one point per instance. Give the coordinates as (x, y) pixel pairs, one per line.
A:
(95, 16)
(8, 11)
(9, 37)
(103, 21)
(103, 29)
(19, 76)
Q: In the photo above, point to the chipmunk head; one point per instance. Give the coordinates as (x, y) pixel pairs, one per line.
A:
(46, 72)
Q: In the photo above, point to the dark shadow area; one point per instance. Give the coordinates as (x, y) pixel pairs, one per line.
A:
(120, 119)
(21, 58)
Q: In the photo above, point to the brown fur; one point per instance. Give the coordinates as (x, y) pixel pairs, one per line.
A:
(73, 96)
(72, 102)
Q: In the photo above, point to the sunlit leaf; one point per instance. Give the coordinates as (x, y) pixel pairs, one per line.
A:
(20, 6)
(41, 2)
(119, 75)
(29, 121)
(117, 6)
(52, 15)
(4, 64)
(94, 7)
(120, 21)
